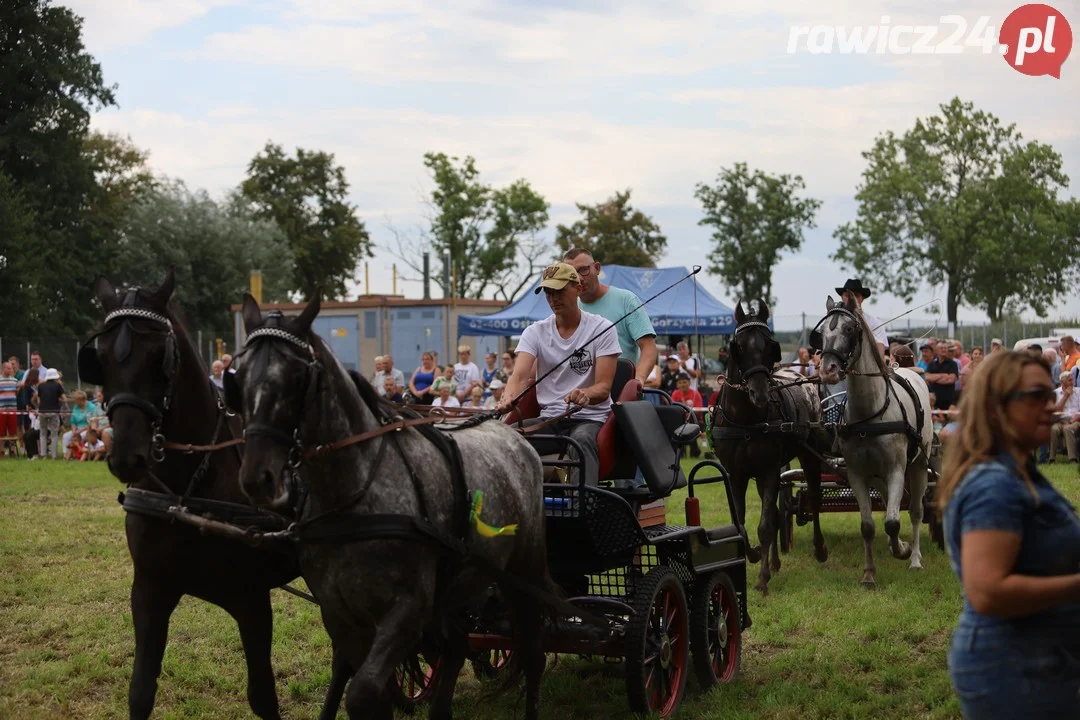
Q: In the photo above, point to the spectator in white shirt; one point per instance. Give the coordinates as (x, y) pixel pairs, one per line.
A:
(445, 399)
(217, 371)
(466, 374)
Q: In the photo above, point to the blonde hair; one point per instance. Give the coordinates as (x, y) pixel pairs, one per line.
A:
(78, 396)
(983, 429)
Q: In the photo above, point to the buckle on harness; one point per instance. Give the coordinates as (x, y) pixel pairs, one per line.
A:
(787, 427)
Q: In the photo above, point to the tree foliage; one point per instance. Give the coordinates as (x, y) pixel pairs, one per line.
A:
(614, 233)
(50, 84)
(755, 217)
(306, 196)
(213, 247)
(959, 199)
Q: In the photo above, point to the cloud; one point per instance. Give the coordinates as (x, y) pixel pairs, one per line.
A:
(115, 23)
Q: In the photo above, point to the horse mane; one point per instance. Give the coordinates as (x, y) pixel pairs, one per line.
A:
(380, 406)
(871, 342)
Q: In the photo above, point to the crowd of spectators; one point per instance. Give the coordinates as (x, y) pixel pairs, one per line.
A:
(38, 415)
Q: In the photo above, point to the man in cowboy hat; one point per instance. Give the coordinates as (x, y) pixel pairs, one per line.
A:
(853, 288)
(584, 379)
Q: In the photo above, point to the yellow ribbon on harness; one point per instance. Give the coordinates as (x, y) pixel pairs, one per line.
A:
(482, 527)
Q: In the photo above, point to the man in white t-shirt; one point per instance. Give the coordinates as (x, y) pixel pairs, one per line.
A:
(466, 374)
(688, 364)
(853, 288)
(583, 370)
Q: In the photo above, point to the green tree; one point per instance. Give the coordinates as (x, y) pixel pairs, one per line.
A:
(755, 217)
(489, 234)
(50, 84)
(213, 247)
(614, 233)
(955, 200)
(306, 196)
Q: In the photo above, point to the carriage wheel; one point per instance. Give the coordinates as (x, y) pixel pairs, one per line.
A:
(488, 664)
(715, 630)
(657, 647)
(414, 680)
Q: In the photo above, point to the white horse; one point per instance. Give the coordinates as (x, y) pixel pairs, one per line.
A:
(887, 434)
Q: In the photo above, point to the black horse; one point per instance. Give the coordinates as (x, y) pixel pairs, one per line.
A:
(157, 392)
(764, 419)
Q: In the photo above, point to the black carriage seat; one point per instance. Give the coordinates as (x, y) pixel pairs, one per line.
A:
(640, 426)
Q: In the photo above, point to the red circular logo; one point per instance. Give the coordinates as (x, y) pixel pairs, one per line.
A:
(1036, 40)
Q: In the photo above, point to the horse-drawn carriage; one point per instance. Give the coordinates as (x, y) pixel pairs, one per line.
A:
(796, 507)
(667, 598)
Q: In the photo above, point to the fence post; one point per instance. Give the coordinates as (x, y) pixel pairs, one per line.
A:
(78, 375)
(198, 343)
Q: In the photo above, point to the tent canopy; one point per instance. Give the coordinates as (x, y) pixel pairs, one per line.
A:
(672, 313)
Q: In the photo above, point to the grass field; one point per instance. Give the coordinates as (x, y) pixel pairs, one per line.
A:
(820, 647)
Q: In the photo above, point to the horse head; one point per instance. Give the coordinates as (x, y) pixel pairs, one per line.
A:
(841, 339)
(753, 351)
(276, 372)
(137, 378)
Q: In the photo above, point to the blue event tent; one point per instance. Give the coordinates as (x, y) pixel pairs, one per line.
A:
(672, 313)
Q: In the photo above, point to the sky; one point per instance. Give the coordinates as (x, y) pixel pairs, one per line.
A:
(579, 98)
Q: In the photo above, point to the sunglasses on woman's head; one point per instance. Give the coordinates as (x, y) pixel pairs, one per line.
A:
(1041, 394)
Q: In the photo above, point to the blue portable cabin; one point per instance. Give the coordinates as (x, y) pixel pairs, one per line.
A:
(357, 331)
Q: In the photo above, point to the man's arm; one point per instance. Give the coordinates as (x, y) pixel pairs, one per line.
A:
(691, 372)
(523, 370)
(649, 355)
(601, 389)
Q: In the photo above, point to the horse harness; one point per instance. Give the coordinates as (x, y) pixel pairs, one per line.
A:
(871, 426)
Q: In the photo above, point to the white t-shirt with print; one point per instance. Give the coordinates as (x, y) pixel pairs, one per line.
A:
(97, 446)
(692, 363)
(465, 374)
(542, 341)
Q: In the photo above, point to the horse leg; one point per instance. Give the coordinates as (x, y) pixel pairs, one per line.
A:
(397, 634)
(812, 467)
(742, 480)
(895, 487)
(866, 513)
(151, 608)
(255, 618)
(917, 480)
(453, 650)
(768, 485)
(339, 678)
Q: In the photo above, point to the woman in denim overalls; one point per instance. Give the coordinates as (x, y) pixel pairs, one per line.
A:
(1014, 543)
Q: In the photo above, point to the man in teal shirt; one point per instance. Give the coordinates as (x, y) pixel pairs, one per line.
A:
(637, 338)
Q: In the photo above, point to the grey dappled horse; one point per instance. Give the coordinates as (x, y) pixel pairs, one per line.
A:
(747, 437)
(882, 461)
(378, 596)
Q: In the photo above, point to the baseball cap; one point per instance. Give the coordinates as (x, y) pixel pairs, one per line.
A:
(557, 276)
(996, 341)
(496, 384)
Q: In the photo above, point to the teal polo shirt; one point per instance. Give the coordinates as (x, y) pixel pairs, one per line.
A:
(615, 303)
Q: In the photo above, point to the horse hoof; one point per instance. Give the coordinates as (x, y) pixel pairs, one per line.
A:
(915, 566)
(869, 585)
(903, 553)
(762, 588)
(821, 554)
(774, 567)
(753, 554)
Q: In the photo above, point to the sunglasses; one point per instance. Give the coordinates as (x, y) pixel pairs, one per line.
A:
(1041, 395)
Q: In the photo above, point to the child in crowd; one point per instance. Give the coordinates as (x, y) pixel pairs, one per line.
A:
(447, 380)
(94, 448)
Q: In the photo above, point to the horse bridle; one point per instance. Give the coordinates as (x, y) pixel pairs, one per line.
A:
(156, 412)
(755, 369)
(296, 448)
(842, 360)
